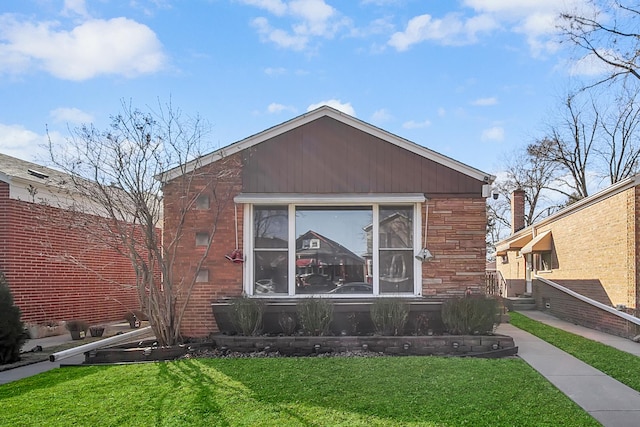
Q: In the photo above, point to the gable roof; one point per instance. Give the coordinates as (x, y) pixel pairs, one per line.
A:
(526, 233)
(326, 111)
(13, 168)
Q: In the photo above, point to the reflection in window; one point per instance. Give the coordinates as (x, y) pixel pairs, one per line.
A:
(331, 248)
(339, 250)
(270, 224)
(395, 232)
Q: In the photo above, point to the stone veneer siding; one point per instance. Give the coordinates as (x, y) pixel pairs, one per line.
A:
(456, 236)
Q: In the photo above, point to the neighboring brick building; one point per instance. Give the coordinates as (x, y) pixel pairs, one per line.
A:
(56, 271)
(328, 174)
(590, 248)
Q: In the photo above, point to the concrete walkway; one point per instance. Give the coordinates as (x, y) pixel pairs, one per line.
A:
(49, 342)
(609, 401)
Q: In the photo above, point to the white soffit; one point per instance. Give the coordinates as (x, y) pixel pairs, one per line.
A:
(328, 199)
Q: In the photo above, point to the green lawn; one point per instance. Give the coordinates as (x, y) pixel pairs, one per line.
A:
(379, 391)
(618, 364)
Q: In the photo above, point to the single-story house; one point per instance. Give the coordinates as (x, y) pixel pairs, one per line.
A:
(379, 201)
(56, 272)
(581, 263)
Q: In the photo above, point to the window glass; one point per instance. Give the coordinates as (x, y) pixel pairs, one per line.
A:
(270, 225)
(202, 202)
(331, 250)
(270, 272)
(396, 227)
(202, 239)
(395, 243)
(544, 261)
(202, 276)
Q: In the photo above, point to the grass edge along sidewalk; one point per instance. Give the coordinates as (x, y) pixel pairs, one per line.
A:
(617, 364)
(335, 391)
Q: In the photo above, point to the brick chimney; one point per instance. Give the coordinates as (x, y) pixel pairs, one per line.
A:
(517, 210)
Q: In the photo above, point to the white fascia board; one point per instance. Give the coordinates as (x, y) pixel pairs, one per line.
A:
(328, 199)
(342, 117)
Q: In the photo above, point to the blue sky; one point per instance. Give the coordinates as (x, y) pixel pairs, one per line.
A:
(470, 79)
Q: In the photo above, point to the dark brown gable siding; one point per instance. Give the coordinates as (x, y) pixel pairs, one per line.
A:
(328, 156)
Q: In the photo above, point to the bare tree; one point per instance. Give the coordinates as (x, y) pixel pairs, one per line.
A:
(570, 145)
(620, 148)
(116, 196)
(608, 31)
(530, 173)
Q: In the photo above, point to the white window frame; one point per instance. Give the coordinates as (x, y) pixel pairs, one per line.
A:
(539, 263)
(292, 201)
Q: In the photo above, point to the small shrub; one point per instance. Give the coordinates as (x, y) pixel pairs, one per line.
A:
(246, 315)
(77, 326)
(354, 323)
(421, 324)
(12, 334)
(315, 315)
(467, 316)
(96, 331)
(287, 323)
(389, 316)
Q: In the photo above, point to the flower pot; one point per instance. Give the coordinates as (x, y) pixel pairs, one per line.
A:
(77, 335)
(96, 331)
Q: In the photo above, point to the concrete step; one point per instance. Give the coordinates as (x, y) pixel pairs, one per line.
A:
(520, 303)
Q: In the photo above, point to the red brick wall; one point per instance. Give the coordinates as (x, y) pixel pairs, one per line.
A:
(225, 277)
(457, 238)
(566, 307)
(36, 244)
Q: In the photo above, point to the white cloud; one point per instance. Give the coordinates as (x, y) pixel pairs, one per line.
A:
(279, 37)
(17, 141)
(380, 2)
(381, 115)
(75, 7)
(335, 103)
(442, 112)
(375, 27)
(536, 20)
(275, 108)
(495, 133)
(485, 102)
(96, 47)
(411, 124)
(450, 30)
(312, 18)
(277, 7)
(591, 65)
(278, 71)
(70, 115)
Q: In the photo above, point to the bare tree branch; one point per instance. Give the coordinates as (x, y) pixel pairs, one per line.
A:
(608, 32)
(116, 196)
